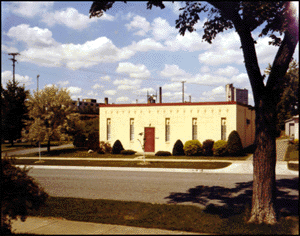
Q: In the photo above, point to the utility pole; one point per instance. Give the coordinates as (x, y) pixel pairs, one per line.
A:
(183, 90)
(37, 89)
(37, 86)
(13, 60)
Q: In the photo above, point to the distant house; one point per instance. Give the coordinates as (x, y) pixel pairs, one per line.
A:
(292, 127)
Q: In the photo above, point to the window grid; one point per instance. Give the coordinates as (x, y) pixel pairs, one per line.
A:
(108, 126)
(131, 129)
(167, 129)
(194, 129)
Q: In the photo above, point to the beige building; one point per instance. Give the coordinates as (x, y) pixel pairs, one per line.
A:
(162, 124)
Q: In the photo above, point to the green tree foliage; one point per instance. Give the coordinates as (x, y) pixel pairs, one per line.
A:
(208, 147)
(117, 147)
(13, 111)
(220, 148)
(234, 144)
(19, 194)
(93, 141)
(192, 148)
(271, 18)
(79, 140)
(52, 114)
(178, 148)
(288, 105)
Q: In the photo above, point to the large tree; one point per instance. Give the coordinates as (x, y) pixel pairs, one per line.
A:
(245, 17)
(52, 114)
(13, 111)
(288, 105)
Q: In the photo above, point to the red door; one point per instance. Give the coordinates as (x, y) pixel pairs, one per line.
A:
(149, 139)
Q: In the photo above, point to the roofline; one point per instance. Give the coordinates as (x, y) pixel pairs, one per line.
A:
(173, 104)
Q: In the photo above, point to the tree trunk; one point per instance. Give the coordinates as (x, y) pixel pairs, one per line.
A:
(264, 163)
(48, 146)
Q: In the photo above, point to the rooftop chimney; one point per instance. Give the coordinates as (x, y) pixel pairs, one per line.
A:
(160, 95)
(105, 101)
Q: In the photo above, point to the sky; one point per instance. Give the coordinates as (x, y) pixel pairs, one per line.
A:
(122, 55)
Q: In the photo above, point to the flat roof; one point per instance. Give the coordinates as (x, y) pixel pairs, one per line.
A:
(173, 104)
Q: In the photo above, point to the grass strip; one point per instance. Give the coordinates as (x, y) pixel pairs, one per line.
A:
(162, 216)
(184, 165)
(292, 154)
(74, 152)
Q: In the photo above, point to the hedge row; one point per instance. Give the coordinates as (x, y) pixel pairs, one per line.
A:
(232, 147)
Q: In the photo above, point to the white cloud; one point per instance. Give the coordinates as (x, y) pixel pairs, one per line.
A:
(126, 84)
(139, 23)
(7, 75)
(216, 92)
(175, 6)
(7, 49)
(63, 83)
(172, 86)
(204, 69)
(146, 45)
(100, 50)
(208, 79)
(144, 91)
(34, 37)
(110, 92)
(71, 18)
(97, 86)
(74, 90)
(241, 78)
(122, 99)
(106, 78)
(228, 71)
(30, 9)
(172, 71)
(135, 71)
(92, 94)
(161, 29)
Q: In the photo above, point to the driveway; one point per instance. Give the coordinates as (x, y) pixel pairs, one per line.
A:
(33, 150)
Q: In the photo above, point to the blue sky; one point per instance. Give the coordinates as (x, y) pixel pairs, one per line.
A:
(128, 51)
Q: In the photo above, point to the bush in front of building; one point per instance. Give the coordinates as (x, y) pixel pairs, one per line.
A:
(220, 148)
(178, 148)
(192, 148)
(104, 147)
(79, 140)
(93, 141)
(163, 153)
(208, 147)
(117, 147)
(128, 152)
(234, 144)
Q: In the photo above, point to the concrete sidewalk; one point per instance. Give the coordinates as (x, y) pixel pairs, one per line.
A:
(50, 225)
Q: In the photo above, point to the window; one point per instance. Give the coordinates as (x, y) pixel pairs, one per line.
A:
(108, 126)
(131, 129)
(194, 128)
(167, 129)
(223, 129)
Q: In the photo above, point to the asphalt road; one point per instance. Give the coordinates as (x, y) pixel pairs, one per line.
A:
(199, 189)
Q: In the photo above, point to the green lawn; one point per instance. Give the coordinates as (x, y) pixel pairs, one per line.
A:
(81, 152)
(132, 163)
(163, 216)
(292, 153)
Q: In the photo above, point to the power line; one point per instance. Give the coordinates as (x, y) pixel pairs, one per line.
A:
(13, 60)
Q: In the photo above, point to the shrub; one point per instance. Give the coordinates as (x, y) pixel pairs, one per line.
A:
(192, 148)
(93, 141)
(208, 147)
(178, 149)
(104, 147)
(20, 193)
(79, 140)
(163, 153)
(128, 152)
(296, 143)
(220, 148)
(234, 144)
(117, 147)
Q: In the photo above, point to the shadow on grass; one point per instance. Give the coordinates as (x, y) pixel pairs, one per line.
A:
(229, 202)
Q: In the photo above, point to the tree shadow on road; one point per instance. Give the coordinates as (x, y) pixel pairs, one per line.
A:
(227, 202)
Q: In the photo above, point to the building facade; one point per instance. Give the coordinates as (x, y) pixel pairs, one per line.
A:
(235, 94)
(292, 127)
(162, 124)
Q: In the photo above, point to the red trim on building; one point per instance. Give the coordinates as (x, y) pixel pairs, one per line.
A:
(169, 104)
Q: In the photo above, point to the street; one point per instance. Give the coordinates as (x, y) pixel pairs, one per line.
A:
(197, 189)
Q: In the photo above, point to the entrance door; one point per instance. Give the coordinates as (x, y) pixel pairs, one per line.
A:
(149, 139)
